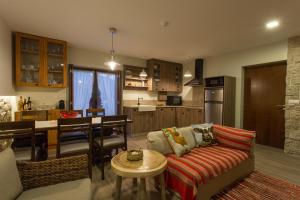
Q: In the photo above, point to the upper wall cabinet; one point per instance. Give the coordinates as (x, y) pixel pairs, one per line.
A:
(40, 62)
(164, 76)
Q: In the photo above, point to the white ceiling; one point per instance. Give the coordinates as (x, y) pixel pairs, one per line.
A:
(198, 28)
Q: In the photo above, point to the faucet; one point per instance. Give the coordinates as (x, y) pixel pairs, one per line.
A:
(139, 98)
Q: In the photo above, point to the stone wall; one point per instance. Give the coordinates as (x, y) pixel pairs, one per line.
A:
(292, 113)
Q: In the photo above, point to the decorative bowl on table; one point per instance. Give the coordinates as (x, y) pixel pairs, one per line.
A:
(135, 155)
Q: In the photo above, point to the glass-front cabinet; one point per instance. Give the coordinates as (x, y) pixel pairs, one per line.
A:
(40, 62)
(55, 62)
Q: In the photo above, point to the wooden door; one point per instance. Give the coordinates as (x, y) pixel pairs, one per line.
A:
(264, 92)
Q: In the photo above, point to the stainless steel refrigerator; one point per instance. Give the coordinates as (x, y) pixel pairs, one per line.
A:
(219, 100)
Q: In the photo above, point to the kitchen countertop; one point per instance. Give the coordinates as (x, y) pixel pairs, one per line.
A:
(183, 106)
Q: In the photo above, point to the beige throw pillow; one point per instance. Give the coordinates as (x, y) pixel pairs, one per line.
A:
(10, 183)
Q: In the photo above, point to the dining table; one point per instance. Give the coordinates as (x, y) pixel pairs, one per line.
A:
(52, 124)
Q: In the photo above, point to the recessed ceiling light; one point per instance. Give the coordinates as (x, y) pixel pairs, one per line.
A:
(272, 24)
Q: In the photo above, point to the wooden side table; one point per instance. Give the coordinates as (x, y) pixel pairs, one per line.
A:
(153, 164)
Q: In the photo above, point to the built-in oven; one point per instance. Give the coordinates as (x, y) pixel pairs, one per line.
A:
(174, 100)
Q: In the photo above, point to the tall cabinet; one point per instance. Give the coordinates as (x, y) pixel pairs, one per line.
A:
(40, 61)
(164, 76)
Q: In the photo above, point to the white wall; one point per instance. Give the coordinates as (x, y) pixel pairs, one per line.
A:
(83, 58)
(231, 65)
(187, 91)
(6, 86)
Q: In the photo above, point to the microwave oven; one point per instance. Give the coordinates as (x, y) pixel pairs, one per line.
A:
(174, 101)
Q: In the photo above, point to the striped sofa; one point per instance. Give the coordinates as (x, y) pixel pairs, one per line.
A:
(205, 171)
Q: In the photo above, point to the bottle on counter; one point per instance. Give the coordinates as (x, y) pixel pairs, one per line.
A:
(29, 104)
(25, 104)
(20, 104)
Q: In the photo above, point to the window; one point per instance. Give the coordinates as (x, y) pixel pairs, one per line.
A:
(91, 88)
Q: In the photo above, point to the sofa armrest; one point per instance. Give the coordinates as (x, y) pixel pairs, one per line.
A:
(49, 172)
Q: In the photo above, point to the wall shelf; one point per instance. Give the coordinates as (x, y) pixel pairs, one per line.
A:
(132, 80)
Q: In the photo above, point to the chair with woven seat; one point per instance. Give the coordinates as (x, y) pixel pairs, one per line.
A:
(78, 146)
(41, 137)
(18, 131)
(118, 138)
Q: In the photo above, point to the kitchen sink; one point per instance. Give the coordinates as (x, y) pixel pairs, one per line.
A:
(143, 108)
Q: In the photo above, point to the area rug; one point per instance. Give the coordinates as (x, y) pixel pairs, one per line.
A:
(258, 186)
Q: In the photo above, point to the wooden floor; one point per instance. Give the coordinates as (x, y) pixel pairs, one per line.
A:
(276, 163)
(268, 160)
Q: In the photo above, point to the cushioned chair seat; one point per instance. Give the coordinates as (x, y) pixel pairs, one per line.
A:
(74, 146)
(111, 141)
(24, 153)
(75, 190)
(73, 136)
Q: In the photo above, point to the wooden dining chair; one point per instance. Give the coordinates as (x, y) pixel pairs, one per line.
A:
(41, 137)
(95, 112)
(76, 134)
(75, 146)
(20, 130)
(118, 138)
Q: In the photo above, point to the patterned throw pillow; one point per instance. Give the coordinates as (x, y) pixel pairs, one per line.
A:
(176, 141)
(203, 135)
(234, 137)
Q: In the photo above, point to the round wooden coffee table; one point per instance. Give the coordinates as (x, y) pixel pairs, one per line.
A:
(153, 164)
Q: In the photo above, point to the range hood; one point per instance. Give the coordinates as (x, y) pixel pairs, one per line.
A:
(198, 80)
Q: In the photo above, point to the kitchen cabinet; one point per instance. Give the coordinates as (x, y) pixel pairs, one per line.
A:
(142, 121)
(164, 76)
(197, 116)
(40, 62)
(165, 118)
(183, 117)
(186, 116)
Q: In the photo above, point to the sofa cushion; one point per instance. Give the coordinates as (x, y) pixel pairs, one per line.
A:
(157, 141)
(79, 189)
(176, 141)
(234, 137)
(184, 174)
(203, 135)
(187, 133)
(10, 183)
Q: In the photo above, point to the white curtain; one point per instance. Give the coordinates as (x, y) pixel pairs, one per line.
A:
(82, 89)
(107, 84)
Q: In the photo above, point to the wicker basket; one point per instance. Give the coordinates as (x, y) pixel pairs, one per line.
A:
(135, 155)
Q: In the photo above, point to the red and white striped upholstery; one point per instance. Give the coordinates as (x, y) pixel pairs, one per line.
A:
(234, 137)
(185, 173)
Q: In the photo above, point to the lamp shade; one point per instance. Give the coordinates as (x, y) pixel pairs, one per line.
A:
(143, 74)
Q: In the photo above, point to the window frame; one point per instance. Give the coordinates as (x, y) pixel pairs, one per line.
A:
(118, 74)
